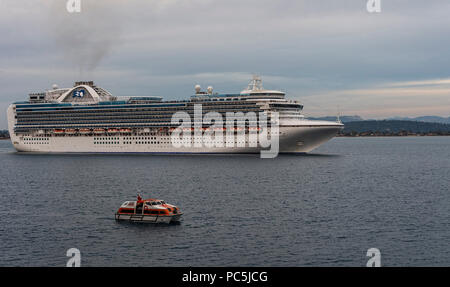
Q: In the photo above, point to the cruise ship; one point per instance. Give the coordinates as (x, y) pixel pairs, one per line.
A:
(88, 119)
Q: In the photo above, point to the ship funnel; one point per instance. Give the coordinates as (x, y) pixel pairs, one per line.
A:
(87, 83)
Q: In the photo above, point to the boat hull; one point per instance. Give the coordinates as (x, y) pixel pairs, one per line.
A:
(293, 139)
(147, 218)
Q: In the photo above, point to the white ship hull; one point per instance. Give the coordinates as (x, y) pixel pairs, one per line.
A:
(301, 138)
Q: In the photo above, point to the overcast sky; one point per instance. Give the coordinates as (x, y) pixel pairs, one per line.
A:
(330, 55)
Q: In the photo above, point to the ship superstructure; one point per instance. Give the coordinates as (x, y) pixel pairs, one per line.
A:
(87, 118)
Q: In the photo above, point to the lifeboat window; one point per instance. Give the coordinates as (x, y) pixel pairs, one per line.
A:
(126, 211)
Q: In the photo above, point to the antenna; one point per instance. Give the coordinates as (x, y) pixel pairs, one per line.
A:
(255, 84)
(338, 118)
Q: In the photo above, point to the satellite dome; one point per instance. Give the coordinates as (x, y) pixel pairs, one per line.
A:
(209, 89)
(54, 86)
(197, 88)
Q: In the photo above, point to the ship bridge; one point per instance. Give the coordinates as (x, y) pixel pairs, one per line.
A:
(254, 91)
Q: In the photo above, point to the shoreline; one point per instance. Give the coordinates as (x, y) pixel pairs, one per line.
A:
(391, 135)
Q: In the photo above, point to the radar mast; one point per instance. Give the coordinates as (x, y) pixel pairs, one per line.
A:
(255, 84)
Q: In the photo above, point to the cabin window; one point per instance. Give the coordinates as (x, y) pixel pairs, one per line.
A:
(127, 211)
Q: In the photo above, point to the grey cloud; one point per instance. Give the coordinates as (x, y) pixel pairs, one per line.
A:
(315, 50)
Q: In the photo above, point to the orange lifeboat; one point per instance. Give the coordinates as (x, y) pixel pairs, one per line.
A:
(59, 131)
(99, 131)
(71, 131)
(148, 211)
(85, 131)
(112, 131)
(125, 130)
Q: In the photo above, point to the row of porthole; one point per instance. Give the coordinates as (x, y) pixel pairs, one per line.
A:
(140, 138)
(115, 138)
(146, 142)
(127, 142)
(35, 139)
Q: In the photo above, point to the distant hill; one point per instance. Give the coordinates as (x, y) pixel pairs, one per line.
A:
(428, 119)
(347, 119)
(395, 126)
(344, 119)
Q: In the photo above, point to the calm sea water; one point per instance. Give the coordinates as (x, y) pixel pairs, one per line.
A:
(322, 209)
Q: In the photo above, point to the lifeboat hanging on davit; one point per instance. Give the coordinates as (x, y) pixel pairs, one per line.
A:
(148, 211)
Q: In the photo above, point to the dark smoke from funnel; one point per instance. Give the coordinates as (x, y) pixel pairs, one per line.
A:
(85, 38)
